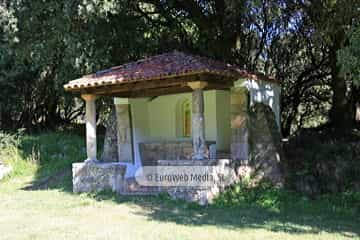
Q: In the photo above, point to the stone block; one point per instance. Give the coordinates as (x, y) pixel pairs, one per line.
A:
(110, 152)
(239, 124)
(96, 177)
(124, 133)
(264, 144)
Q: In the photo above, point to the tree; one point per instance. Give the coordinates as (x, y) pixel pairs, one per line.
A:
(349, 57)
(349, 60)
(330, 20)
(45, 44)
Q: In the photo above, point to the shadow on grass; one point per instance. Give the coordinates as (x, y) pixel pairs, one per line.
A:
(55, 153)
(302, 217)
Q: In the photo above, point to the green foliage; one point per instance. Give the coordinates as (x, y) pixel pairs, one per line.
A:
(11, 155)
(330, 164)
(8, 140)
(44, 44)
(43, 155)
(265, 196)
(349, 57)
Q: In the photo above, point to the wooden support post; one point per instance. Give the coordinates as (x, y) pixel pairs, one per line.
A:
(198, 124)
(90, 127)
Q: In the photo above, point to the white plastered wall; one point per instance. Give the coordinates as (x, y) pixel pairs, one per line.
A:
(263, 92)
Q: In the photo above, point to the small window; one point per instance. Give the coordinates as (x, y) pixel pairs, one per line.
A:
(186, 115)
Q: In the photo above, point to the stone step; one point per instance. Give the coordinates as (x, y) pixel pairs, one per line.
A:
(131, 187)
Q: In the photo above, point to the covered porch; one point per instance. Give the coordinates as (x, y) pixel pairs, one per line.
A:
(165, 108)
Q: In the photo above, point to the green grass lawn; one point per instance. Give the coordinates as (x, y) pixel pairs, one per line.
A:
(30, 209)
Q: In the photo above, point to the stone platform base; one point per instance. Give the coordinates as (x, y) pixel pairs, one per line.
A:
(202, 195)
(96, 177)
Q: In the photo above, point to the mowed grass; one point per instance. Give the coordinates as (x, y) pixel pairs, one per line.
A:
(36, 206)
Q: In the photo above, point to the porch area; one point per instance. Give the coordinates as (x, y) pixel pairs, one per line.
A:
(172, 109)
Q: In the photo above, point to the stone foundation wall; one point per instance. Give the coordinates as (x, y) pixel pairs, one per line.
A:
(96, 177)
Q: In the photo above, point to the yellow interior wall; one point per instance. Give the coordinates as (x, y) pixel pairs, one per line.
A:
(156, 119)
(162, 116)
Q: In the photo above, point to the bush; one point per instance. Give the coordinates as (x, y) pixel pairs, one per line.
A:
(272, 199)
(11, 154)
(45, 154)
(263, 195)
(319, 163)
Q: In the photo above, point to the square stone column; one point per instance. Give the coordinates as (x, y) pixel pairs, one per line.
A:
(198, 124)
(124, 130)
(91, 147)
(239, 124)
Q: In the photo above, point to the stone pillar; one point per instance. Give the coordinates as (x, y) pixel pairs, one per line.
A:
(239, 124)
(124, 130)
(90, 127)
(198, 124)
(110, 150)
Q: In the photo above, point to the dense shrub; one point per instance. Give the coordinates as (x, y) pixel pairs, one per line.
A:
(11, 154)
(45, 154)
(8, 140)
(318, 163)
(264, 196)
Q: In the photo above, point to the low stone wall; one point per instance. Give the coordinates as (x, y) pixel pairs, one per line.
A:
(96, 177)
(151, 152)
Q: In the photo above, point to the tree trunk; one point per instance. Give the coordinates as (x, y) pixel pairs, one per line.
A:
(341, 113)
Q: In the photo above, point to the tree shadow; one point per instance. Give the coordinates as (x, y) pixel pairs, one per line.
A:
(297, 218)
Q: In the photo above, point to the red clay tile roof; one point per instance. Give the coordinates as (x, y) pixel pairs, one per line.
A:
(165, 65)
